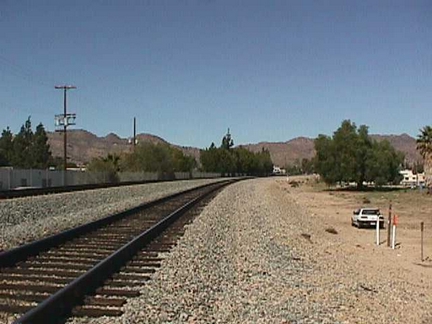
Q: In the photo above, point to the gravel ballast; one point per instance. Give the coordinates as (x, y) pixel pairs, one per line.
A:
(26, 219)
(254, 255)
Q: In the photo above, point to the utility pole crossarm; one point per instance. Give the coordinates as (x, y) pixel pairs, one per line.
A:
(67, 87)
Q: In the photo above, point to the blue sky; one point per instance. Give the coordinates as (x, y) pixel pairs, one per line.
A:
(188, 70)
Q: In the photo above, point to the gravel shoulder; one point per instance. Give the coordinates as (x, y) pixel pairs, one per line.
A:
(26, 219)
(259, 253)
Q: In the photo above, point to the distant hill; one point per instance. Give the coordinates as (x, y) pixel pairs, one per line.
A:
(84, 146)
(284, 153)
(403, 143)
(293, 151)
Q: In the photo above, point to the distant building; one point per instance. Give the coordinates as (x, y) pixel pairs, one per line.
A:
(412, 180)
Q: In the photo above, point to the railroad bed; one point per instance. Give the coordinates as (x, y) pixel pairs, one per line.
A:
(31, 191)
(106, 261)
(27, 219)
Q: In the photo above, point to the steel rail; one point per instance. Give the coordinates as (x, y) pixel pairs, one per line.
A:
(27, 192)
(61, 303)
(10, 194)
(12, 257)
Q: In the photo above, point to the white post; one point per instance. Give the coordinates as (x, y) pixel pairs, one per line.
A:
(378, 231)
(394, 237)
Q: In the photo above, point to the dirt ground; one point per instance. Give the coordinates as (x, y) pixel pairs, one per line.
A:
(336, 207)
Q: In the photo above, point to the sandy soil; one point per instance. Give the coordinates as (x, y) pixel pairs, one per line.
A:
(402, 267)
(336, 207)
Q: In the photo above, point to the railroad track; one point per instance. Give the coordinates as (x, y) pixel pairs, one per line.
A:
(92, 270)
(27, 192)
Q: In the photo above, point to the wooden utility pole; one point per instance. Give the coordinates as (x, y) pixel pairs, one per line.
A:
(65, 121)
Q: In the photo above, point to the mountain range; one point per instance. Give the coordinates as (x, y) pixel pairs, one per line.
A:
(84, 146)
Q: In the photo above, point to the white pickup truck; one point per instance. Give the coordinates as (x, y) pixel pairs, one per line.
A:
(367, 217)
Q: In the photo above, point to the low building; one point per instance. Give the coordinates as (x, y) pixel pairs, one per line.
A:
(412, 180)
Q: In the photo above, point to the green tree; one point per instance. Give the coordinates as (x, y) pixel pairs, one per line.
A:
(228, 161)
(244, 161)
(326, 161)
(225, 162)
(351, 147)
(293, 169)
(22, 147)
(383, 164)
(6, 147)
(424, 146)
(424, 141)
(265, 162)
(307, 166)
(105, 168)
(220, 160)
(3, 160)
(40, 149)
(363, 149)
(352, 156)
(182, 162)
(344, 140)
(227, 141)
(208, 158)
(149, 157)
(160, 158)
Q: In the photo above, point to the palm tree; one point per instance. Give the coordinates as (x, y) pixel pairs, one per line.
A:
(424, 146)
(424, 141)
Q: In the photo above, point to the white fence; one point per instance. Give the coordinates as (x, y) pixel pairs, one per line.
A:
(16, 178)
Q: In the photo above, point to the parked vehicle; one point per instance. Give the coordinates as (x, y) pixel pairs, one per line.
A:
(367, 217)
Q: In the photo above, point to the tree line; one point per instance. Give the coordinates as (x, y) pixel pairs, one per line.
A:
(305, 166)
(350, 155)
(31, 150)
(146, 157)
(229, 161)
(27, 149)
(166, 160)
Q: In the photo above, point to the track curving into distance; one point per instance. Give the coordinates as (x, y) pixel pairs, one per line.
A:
(91, 270)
